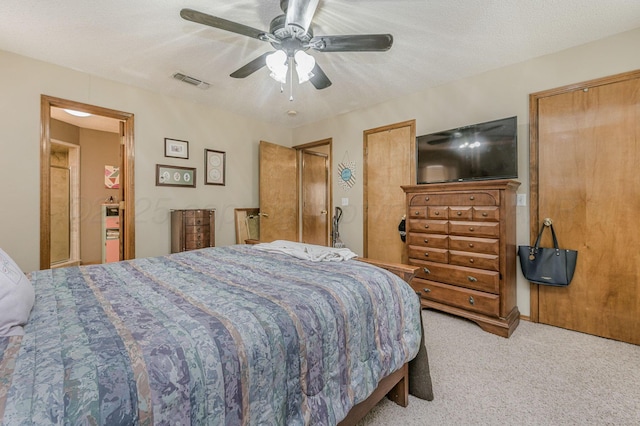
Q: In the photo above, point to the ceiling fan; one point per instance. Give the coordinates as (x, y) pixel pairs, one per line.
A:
(291, 35)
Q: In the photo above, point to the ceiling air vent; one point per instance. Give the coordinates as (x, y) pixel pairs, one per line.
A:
(191, 80)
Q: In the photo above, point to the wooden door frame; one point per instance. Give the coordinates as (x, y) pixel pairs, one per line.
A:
(309, 147)
(126, 181)
(534, 214)
(365, 185)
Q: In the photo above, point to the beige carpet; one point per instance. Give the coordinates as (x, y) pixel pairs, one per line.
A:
(541, 375)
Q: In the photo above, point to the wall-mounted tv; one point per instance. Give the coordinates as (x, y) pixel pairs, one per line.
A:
(476, 152)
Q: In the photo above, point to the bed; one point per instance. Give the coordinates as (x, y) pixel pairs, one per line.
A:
(229, 335)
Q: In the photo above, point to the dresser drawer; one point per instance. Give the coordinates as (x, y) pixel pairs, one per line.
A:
(486, 213)
(418, 212)
(428, 240)
(461, 213)
(484, 198)
(196, 229)
(193, 238)
(432, 254)
(477, 245)
(431, 226)
(194, 245)
(475, 229)
(477, 301)
(193, 221)
(477, 279)
(112, 222)
(490, 262)
(437, 212)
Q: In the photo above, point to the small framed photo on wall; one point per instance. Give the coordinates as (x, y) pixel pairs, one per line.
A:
(175, 148)
(214, 166)
(175, 176)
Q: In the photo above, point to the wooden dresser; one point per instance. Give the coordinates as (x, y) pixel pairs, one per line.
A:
(462, 235)
(192, 229)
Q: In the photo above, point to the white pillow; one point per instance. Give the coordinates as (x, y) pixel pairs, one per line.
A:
(16, 297)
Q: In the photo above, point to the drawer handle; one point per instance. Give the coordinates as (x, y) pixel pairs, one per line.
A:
(426, 198)
(484, 214)
(470, 260)
(472, 198)
(459, 213)
(437, 213)
(426, 241)
(472, 279)
(419, 293)
(426, 270)
(470, 244)
(427, 290)
(198, 222)
(426, 226)
(471, 228)
(417, 213)
(471, 301)
(426, 255)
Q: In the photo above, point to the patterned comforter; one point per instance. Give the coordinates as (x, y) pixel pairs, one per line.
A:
(217, 336)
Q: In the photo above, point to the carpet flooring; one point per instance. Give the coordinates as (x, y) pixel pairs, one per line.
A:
(541, 375)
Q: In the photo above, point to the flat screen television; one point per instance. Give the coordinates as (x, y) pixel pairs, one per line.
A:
(476, 152)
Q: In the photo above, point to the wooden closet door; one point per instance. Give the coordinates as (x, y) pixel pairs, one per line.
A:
(588, 157)
(389, 162)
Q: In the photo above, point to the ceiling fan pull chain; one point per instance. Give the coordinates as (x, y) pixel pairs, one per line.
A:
(290, 62)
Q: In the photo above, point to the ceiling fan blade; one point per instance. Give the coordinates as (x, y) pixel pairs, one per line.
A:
(223, 24)
(251, 67)
(352, 43)
(319, 79)
(300, 13)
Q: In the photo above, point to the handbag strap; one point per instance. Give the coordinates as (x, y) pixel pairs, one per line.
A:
(553, 234)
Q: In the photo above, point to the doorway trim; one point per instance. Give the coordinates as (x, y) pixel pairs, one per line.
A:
(309, 147)
(126, 175)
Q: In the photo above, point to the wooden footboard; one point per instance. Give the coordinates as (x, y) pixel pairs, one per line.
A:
(406, 272)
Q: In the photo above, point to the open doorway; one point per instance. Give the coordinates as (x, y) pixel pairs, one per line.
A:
(55, 219)
(315, 191)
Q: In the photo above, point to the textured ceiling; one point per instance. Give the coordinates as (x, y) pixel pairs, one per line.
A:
(144, 42)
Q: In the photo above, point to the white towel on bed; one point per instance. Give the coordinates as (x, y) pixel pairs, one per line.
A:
(311, 252)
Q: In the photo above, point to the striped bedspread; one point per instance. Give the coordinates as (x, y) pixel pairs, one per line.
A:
(219, 336)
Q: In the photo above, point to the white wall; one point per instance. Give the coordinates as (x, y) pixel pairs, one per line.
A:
(492, 95)
(23, 80)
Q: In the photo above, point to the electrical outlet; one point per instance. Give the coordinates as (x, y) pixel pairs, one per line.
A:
(345, 202)
(522, 200)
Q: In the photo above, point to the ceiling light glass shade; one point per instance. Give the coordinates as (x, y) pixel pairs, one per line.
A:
(304, 66)
(77, 113)
(277, 64)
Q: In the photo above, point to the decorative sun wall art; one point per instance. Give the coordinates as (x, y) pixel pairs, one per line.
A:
(347, 174)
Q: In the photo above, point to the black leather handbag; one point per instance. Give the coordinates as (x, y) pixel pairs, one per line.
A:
(548, 266)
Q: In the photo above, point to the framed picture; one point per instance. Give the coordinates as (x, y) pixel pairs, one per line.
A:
(175, 148)
(175, 176)
(214, 165)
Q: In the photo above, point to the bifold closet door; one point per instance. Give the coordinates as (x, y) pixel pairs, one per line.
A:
(588, 157)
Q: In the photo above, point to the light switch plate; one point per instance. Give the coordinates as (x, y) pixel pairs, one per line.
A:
(345, 202)
(522, 200)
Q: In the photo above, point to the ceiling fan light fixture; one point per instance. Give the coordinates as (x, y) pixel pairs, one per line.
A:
(304, 66)
(277, 64)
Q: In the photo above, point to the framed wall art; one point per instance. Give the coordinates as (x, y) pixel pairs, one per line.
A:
(214, 165)
(175, 176)
(176, 148)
